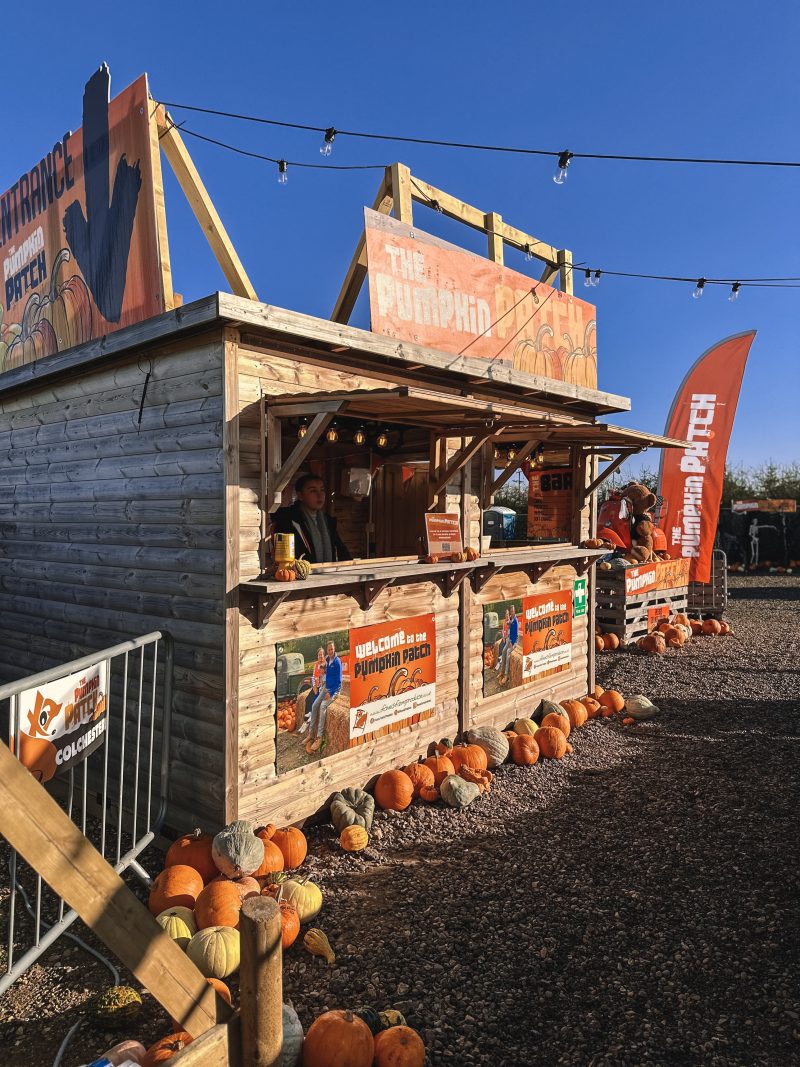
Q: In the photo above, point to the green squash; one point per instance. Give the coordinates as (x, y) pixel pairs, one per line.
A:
(457, 792)
(546, 707)
(391, 1017)
(352, 807)
(371, 1017)
(115, 1007)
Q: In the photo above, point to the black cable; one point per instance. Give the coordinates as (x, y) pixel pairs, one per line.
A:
(554, 153)
(271, 159)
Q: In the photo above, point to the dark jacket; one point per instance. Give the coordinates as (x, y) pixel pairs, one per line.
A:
(292, 520)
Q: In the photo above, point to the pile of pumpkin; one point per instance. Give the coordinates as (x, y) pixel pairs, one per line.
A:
(679, 631)
(604, 642)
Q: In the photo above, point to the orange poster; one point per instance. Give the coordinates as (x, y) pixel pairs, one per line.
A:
(62, 722)
(434, 293)
(546, 634)
(443, 533)
(392, 674)
(78, 236)
(640, 580)
(666, 574)
(690, 479)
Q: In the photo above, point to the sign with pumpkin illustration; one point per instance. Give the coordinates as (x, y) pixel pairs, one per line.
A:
(78, 232)
(431, 292)
(393, 674)
(546, 634)
(63, 722)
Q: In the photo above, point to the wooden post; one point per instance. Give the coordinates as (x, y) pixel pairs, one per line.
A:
(261, 983)
(565, 271)
(401, 193)
(46, 838)
(492, 224)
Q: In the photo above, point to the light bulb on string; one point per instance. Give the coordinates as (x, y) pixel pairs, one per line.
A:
(332, 434)
(734, 292)
(564, 160)
(302, 429)
(326, 147)
(495, 453)
(701, 284)
(437, 207)
(587, 280)
(283, 169)
(528, 252)
(359, 437)
(382, 440)
(511, 454)
(597, 274)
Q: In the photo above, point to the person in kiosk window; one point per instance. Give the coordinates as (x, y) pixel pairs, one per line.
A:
(513, 637)
(315, 533)
(319, 710)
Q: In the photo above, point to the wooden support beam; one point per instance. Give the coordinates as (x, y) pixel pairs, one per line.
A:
(492, 222)
(401, 193)
(368, 593)
(201, 204)
(565, 271)
(47, 839)
(357, 271)
(218, 1047)
(261, 983)
(425, 193)
(170, 298)
(280, 473)
(598, 481)
(524, 242)
(439, 479)
(548, 274)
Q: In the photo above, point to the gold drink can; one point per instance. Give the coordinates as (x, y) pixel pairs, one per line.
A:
(284, 547)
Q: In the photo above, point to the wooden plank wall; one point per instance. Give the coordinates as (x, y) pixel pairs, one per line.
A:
(263, 796)
(110, 528)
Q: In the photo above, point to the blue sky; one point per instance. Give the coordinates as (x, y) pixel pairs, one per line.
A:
(717, 79)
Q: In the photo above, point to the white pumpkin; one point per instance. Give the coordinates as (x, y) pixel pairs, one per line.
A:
(306, 897)
(215, 951)
(292, 1037)
(493, 742)
(237, 851)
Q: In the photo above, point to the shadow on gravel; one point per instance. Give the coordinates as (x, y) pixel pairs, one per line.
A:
(765, 592)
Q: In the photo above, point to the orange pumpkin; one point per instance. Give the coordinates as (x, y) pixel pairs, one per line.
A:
(338, 1039)
(273, 856)
(524, 750)
(292, 844)
(599, 644)
(724, 628)
(176, 887)
(551, 741)
(421, 777)
(247, 886)
(285, 574)
(558, 719)
(674, 637)
(597, 692)
(399, 1046)
(468, 756)
(222, 991)
(441, 767)
(193, 850)
(394, 790)
(431, 559)
(472, 554)
(166, 1048)
(218, 905)
(576, 713)
(67, 306)
(680, 619)
(290, 923)
(653, 644)
(696, 627)
(592, 705)
(612, 701)
(711, 627)
(610, 642)
(429, 793)
(36, 339)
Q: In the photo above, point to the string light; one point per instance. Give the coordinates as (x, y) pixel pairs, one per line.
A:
(734, 292)
(701, 284)
(302, 429)
(596, 281)
(283, 175)
(564, 160)
(326, 147)
(528, 252)
(496, 453)
(511, 454)
(587, 281)
(382, 440)
(332, 434)
(359, 437)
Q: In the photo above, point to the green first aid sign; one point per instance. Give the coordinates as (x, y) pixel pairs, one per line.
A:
(579, 597)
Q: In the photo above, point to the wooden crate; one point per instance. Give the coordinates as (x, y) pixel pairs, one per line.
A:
(632, 615)
(711, 599)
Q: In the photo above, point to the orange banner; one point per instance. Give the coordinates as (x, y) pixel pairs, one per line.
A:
(690, 480)
(78, 235)
(546, 634)
(434, 293)
(392, 673)
(666, 574)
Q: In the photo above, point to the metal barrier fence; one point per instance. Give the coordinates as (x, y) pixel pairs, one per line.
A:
(711, 598)
(117, 795)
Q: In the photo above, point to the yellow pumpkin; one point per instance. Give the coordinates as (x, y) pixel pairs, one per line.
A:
(179, 924)
(305, 895)
(215, 951)
(353, 838)
(525, 726)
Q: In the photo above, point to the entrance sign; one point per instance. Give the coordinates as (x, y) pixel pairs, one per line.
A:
(690, 479)
(434, 293)
(546, 634)
(443, 533)
(79, 244)
(63, 722)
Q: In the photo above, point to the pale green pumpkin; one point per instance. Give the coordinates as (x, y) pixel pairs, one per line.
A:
(306, 897)
(215, 951)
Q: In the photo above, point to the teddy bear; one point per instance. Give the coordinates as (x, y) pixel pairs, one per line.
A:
(641, 500)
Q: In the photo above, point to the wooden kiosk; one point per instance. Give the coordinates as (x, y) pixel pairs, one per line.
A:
(140, 470)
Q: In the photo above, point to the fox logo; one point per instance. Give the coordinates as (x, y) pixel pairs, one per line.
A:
(361, 719)
(43, 714)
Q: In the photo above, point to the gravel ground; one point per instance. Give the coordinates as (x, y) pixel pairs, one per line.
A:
(635, 904)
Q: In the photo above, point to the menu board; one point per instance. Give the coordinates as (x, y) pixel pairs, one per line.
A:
(550, 503)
